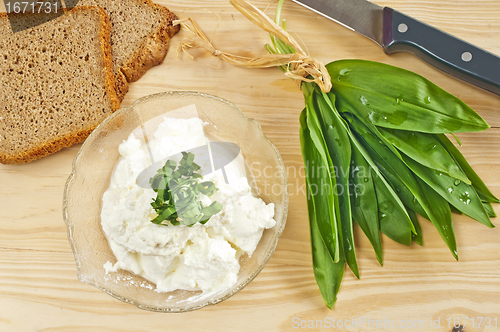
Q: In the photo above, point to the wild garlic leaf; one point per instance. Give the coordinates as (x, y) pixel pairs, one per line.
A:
(426, 149)
(392, 215)
(318, 175)
(415, 237)
(461, 195)
(388, 163)
(393, 97)
(328, 274)
(482, 190)
(209, 211)
(436, 208)
(379, 180)
(339, 148)
(489, 209)
(178, 190)
(356, 142)
(402, 191)
(394, 220)
(439, 213)
(364, 201)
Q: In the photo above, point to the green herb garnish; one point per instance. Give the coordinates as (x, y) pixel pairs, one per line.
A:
(179, 190)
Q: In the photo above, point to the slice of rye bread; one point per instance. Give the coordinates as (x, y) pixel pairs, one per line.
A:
(140, 35)
(56, 83)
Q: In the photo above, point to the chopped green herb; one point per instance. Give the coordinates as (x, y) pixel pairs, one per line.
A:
(179, 189)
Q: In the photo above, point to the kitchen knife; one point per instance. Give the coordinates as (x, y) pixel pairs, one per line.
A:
(395, 32)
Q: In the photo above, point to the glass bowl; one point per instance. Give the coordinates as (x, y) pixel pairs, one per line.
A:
(90, 177)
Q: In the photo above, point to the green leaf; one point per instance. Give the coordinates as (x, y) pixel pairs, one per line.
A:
(163, 190)
(364, 202)
(440, 215)
(374, 131)
(426, 149)
(209, 211)
(394, 220)
(435, 207)
(455, 210)
(392, 97)
(178, 191)
(489, 210)
(417, 238)
(170, 164)
(394, 206)
(459, 194)
(318, 175)
(481, 188)
(378, 178)
(339, 149)
(391, 166)
(207, 188)
(164, 215)
(404, 194)
(328, 274)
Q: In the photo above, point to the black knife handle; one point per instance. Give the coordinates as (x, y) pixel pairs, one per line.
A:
(450, 54)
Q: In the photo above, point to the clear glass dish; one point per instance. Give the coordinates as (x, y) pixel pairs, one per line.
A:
(90, 178)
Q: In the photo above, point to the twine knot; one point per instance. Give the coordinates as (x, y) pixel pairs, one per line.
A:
(299, 66)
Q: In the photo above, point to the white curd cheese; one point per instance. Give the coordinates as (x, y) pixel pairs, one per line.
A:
(201, 257)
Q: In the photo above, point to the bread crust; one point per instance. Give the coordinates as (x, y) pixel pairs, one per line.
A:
(104, 38)
(121, 85)
(47, 148)
(119, 81)
(55, 144)
(155, 47)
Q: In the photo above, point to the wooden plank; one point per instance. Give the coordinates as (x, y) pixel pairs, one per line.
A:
(39, 290)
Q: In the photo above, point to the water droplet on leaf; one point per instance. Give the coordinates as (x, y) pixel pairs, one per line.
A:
(344, 72)
(386, 207)
(465, 198)
(429, 147)
(374, 117)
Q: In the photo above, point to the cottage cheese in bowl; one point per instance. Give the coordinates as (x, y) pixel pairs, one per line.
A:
(203, 257)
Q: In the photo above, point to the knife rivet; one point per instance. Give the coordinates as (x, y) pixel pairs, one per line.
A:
(402, 28)
(467, 56)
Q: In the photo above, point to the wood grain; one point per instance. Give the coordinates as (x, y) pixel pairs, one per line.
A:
(39, 290)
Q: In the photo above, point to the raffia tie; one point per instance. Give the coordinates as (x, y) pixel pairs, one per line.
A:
(300, 66)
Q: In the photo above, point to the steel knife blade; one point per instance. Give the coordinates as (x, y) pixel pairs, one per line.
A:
(396, 32)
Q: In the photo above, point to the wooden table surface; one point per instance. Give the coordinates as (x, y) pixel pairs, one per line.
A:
(418, 289)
